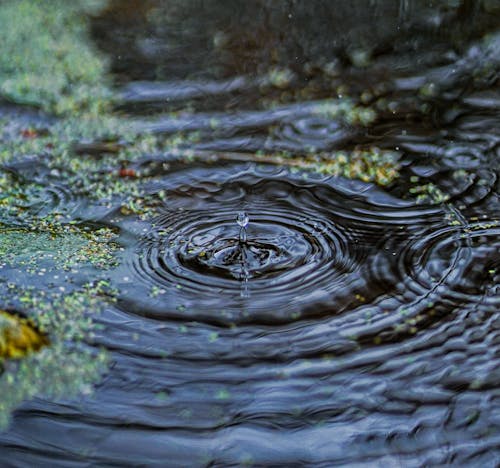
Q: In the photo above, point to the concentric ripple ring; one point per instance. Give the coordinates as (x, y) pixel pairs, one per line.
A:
(294, 263)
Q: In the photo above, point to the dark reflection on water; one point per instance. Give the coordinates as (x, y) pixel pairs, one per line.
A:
(361, 326)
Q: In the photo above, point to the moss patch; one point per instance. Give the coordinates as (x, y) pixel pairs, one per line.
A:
(46, 59)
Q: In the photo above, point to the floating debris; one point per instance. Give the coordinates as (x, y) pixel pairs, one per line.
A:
(369, 165)
(18, 336)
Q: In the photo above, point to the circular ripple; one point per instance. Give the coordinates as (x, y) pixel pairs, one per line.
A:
(288, 262)
(462, 156)
(295, 263)
(50, 199)
(437, 273)
(34, 192)
(312, 133)
(313, 250)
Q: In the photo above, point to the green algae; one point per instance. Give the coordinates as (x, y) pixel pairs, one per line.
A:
(58, 141)
(428, 193)
(56, 247)
(66, 368)
(87, 153)
(348, 110)
(373, 164)
(31, 250)
(46, 59)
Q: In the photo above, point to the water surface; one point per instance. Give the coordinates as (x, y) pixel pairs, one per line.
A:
(355, 320)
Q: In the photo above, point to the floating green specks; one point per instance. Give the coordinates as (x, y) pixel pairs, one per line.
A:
(65, 368)
(53, 246)
(347, 110)
(369, 165)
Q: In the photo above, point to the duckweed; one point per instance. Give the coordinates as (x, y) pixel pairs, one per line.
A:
(65, 368)
(53, 246)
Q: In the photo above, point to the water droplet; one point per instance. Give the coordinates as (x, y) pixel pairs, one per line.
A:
(242, 219)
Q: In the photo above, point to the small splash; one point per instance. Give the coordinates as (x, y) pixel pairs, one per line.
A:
(242, 219)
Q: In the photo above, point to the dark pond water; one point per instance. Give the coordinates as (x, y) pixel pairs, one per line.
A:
(346, 323)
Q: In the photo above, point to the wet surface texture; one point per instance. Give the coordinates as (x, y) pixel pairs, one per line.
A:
(268, 312)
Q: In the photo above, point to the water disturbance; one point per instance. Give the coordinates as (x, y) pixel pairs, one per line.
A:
(281, 249)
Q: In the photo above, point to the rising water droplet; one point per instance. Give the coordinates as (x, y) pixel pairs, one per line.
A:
(242, 220)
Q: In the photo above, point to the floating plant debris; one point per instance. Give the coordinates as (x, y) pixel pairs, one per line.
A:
(371, 165)
(52, 246)
(18, 336)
